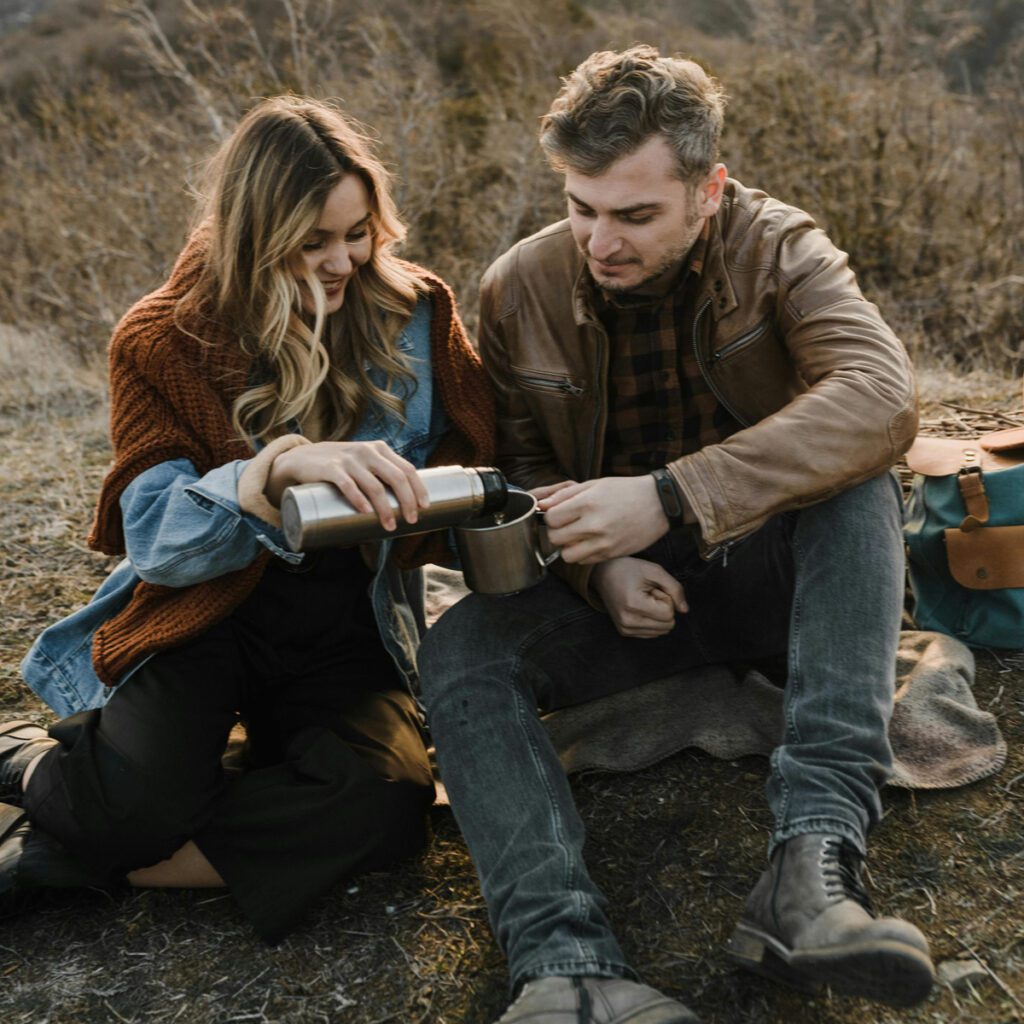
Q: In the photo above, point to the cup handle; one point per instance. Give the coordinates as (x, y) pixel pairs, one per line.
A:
(544, 560)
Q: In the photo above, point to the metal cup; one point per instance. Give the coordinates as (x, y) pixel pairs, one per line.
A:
(505, 552)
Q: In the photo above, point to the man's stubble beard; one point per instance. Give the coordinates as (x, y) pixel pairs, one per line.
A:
(671, 260)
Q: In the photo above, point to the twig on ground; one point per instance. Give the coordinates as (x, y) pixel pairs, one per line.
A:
(249, 982)
(992, 974)
(989, 413)
(14, 952)
(125, 1020)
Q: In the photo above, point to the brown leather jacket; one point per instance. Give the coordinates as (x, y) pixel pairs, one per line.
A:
(785, 339)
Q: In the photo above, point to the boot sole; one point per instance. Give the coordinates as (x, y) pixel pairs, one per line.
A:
(889, 972)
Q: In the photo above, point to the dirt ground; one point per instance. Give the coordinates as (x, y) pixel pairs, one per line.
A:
(675, 847)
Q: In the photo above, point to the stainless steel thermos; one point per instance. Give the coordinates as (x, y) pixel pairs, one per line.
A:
(319, 516)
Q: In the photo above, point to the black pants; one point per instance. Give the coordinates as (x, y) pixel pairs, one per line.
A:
(336, 777)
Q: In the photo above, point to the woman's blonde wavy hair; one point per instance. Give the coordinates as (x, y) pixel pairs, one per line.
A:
(266, 189)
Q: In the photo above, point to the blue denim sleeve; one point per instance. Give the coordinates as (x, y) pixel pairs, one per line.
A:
(181, 528)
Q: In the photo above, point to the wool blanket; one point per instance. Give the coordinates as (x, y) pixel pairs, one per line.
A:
(940, 737)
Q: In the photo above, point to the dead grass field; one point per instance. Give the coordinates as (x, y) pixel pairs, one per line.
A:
(675, 847)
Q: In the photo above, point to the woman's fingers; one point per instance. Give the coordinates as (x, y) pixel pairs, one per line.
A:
(373, 469)
(379, 479)
(364, 472)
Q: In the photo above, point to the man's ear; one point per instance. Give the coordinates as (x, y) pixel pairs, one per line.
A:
(710, 191)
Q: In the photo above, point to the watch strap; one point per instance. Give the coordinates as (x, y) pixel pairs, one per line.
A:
(668, 495)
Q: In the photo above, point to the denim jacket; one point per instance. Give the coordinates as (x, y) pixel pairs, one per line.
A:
(181, 528)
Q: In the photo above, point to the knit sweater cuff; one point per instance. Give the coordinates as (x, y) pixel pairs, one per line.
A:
(253, 481)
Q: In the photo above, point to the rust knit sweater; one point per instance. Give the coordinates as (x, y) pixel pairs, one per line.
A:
(171, 397)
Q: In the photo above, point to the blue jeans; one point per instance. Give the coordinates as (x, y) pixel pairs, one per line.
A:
(822, 587)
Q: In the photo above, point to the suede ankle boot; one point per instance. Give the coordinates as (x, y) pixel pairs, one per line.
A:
(575, 1000)
(20, 744)
(809, 922)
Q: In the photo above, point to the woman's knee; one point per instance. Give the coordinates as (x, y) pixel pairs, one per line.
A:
(400, 822)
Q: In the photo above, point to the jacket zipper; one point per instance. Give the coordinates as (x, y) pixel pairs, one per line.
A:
(704, 370)
(563, 385)
(722, 550)
(602, 382)
(745, 339)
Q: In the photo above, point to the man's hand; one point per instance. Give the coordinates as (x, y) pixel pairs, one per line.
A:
(361, 470)
(540, 493)
(604, 518)
(641, 597)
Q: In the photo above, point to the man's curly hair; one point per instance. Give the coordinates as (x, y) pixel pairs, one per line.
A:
(614, 102)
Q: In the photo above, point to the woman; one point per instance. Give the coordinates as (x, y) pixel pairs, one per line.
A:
(289, 345)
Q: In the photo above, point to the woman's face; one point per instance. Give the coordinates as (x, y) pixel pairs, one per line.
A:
(339, 244)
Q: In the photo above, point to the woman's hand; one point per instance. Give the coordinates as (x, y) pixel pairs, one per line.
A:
(361, 470)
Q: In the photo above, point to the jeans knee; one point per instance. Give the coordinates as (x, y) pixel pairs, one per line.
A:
(452, 647)
(879, 496)
(872, 510)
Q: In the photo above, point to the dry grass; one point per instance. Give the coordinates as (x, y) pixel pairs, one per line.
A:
(854, 122)
(675, 847)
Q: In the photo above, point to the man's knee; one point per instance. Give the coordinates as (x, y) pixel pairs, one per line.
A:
(880, 494)
(454, 644)
(873, 507)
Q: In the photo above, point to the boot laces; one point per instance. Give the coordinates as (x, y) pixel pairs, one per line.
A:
(583, 1015)
(841, 871)
(10, 775)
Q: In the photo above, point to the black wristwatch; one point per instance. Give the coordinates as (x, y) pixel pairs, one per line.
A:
(668, 495)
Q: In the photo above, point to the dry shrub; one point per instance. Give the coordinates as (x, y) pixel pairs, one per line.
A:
(920, 184)
(845, 109)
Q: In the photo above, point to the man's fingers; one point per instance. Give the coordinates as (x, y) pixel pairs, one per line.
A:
(655, 608)
(543, 493)
(667, 584)
(557, 514)
(643, 627)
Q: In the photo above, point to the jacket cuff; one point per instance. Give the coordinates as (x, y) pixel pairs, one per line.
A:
(253, 481)
(578, 577)
(690, 494)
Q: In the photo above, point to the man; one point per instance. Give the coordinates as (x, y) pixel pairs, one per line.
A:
(690, 380)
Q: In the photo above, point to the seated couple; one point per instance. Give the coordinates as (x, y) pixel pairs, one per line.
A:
(687, 375)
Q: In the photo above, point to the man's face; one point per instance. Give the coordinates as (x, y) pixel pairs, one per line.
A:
(636, 222)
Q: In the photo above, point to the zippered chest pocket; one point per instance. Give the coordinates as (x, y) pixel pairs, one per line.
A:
(744, 340)
(545, 382)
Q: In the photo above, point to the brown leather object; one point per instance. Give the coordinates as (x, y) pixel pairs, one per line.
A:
(1005, 441)
(943, 456)
(989, 558)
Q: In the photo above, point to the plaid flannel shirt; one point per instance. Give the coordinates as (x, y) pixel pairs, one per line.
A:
(659, 405)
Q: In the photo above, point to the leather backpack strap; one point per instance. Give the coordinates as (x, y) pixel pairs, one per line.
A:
(972, 489)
